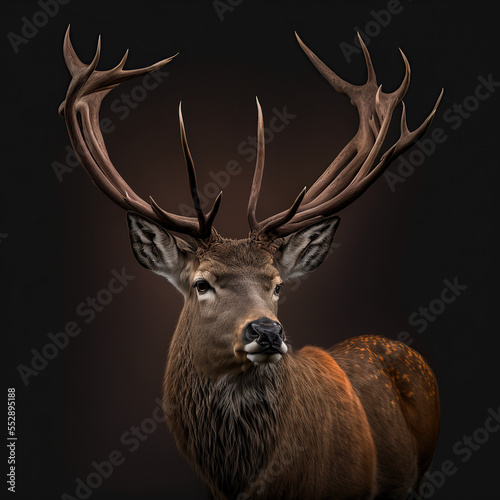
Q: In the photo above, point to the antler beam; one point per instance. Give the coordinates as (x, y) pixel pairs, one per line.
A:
(86, 91)
(356, 166)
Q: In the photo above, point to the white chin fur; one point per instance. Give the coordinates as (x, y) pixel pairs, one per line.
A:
(262, 358)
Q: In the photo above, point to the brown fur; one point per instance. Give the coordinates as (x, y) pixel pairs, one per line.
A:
(357, 422)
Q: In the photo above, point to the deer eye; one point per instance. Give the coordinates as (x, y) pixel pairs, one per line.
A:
(202, 286)
(277, 289)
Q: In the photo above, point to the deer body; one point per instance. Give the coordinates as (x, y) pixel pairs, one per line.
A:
(256, 420)
(274, 432)
(278, 430)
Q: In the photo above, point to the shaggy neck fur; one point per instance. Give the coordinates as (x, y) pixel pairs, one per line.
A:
(226, 427)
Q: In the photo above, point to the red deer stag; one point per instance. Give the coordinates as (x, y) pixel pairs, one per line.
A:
(358, 421)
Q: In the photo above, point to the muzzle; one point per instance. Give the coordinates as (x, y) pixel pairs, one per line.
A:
(263, 341)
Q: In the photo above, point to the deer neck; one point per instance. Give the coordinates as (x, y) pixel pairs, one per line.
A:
(214, 419)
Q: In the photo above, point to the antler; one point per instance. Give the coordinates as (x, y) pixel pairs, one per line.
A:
(355, 168)
(86, 91)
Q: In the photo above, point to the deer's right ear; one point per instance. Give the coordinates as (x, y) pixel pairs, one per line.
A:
(161, 252)
(305, 250)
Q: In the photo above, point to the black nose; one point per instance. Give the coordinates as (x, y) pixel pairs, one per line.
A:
(265, 332)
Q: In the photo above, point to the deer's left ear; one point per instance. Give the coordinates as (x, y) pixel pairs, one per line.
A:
(305, 250)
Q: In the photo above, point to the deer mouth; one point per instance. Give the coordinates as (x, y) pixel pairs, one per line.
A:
(264, 358)
(264, 354)
(268, 351)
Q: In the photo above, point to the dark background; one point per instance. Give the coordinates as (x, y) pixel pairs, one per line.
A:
(61, 240)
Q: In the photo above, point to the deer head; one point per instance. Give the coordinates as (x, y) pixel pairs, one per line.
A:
(231, 287)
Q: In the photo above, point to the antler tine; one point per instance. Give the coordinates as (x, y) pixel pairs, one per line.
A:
(407, 138)
(95, 81)
(258, 172)
(353, 170)
(360, 96)
(121, 64)
(70, 58)
(179, 223)
(371, 76)
(288, 215)
(255, 226)
(215, 208)
(372, 105)
(353, 191)
(340, 85)
(401, 91)
(191, 175)
(86, 91)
